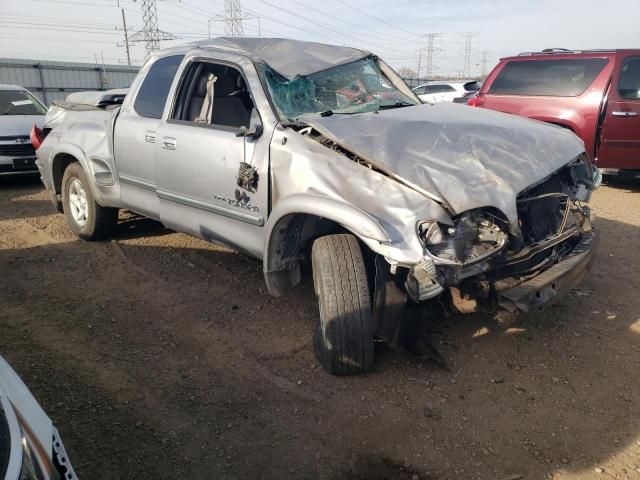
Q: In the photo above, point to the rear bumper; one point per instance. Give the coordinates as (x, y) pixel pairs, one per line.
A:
(553, 283)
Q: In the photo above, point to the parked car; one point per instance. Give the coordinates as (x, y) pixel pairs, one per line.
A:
(19, 111)
(30, 446)
(593, 93)
(251, 142)
(441, 91)
(471, 89)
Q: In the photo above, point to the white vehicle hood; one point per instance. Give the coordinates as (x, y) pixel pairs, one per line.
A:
(461, 156)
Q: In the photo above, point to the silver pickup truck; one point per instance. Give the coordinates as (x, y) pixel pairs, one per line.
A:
(291, 150)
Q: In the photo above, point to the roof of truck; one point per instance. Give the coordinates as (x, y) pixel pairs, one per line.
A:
(289, 58)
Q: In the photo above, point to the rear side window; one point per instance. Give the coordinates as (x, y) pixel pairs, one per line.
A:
(629, 83)
(556, 78)
(155, 87)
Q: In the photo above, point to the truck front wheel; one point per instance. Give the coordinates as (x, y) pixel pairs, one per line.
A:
(344, 336)
(85, 217)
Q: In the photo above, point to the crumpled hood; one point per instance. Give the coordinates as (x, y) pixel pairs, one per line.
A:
(466, 157)
(14, 125)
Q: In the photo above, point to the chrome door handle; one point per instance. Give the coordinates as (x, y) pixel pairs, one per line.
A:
(624, 114)
(169, 143)
(150, 137)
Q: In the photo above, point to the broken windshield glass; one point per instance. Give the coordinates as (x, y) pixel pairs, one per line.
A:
(356, 87)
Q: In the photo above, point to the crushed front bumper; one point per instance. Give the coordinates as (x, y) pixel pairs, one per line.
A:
(553, 283)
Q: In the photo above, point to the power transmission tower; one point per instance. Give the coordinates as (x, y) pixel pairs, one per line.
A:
(233, 18)
(484, 63)
(429, 51)
(468, 37)
(150, 35)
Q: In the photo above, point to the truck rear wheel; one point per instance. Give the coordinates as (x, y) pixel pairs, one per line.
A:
(344, 335)
(85, 217)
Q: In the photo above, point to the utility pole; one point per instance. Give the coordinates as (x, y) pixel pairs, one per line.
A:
(126, 37)
(468, 37)
(150, 35)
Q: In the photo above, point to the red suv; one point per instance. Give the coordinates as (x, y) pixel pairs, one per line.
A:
(594, 93)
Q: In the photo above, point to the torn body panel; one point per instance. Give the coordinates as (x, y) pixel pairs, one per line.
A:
(364, 201)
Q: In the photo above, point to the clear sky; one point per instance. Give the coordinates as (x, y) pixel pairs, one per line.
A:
(81, 30)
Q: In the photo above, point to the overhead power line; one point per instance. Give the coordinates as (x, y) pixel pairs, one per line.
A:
(324, 25)
(384, 22)
(369, 31)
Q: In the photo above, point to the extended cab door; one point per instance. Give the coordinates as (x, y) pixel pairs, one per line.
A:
(212, 153)
(135, 135)
(620, 137)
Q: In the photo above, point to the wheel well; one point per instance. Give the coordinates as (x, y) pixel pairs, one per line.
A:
(290, 245)
(59, 165)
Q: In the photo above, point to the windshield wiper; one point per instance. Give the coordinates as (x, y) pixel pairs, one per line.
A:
(397, 105)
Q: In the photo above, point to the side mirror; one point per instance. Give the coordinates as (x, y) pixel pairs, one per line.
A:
(255, 132)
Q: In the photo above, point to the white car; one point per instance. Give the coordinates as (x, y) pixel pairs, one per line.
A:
(434, 92)
(19, 111)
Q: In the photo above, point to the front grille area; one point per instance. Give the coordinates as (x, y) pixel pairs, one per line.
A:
(542, 210)
(17, 150)
(13, 138)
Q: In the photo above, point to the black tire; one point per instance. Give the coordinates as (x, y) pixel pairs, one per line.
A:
(99, 222)
(344, 336)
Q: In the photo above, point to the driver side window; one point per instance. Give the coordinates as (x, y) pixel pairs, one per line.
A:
(214, 94)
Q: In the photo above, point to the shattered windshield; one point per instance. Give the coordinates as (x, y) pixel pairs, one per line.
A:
(352, 88)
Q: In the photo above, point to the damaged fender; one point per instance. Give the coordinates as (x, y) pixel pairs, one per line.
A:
(281, 268)
(93, 133)
(312, 179)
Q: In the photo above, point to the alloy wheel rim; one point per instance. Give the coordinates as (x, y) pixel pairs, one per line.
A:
(78, 202)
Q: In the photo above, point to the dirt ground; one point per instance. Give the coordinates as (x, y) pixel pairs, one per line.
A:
(161, 356)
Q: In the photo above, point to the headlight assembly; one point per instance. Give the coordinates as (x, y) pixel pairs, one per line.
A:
(474, 236)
